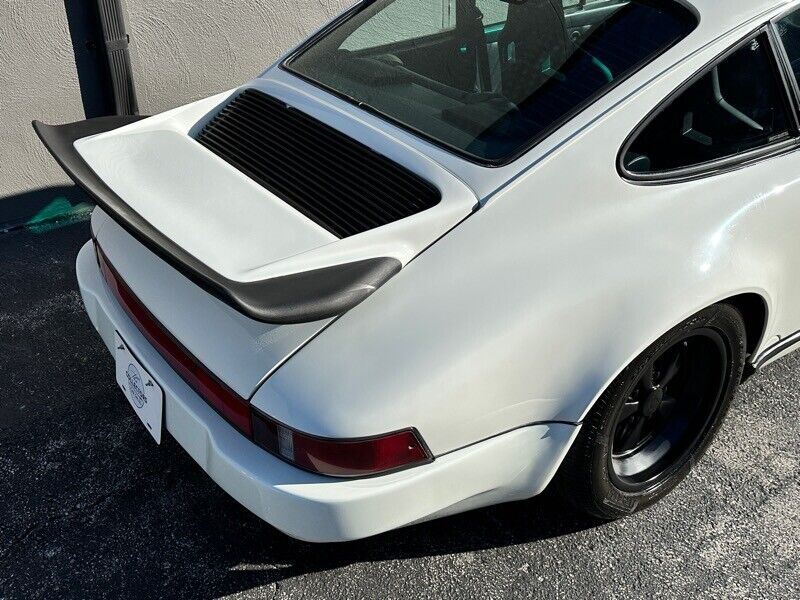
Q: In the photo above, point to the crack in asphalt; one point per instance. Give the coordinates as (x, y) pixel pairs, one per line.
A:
(79, 508)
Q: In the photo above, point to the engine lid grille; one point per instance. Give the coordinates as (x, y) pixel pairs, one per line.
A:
(337, 182)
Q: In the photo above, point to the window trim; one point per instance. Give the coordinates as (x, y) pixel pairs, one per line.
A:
(285, 63)
(783, 56)
(736, 161)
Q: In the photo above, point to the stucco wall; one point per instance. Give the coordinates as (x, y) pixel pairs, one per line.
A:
(182, 50)
(38, 79)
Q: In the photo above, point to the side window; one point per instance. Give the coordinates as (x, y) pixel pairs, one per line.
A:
(393, 25)
(736, 107)
(789, 31)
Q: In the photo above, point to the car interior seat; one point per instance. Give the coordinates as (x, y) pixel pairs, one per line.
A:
(534, 44)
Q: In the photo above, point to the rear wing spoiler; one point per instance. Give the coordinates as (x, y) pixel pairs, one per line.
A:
(296, 298)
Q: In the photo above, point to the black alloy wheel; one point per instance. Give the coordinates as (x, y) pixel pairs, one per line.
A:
(669, 409)
(657, 418)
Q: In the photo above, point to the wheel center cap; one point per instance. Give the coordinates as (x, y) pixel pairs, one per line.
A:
(653, 402)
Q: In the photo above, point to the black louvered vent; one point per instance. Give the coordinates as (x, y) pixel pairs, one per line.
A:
(335, 181)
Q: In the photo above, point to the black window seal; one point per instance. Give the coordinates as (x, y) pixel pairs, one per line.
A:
(535, 141)
(786, 63)
(790, 90)
(728, 163)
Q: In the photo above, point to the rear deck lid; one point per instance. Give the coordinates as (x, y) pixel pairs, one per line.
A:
(286, 208)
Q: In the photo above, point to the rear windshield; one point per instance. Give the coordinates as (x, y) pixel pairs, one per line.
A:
(488, 78)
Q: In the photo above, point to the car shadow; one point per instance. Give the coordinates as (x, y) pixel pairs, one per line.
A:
(269, 556)
(40, 205)
(93, 508)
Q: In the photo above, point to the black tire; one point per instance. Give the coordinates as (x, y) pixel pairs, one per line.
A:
(599, 475)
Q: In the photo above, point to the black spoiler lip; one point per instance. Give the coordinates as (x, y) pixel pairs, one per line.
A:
(297, 298)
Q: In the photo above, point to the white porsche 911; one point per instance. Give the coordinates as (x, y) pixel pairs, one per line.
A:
(448, 251)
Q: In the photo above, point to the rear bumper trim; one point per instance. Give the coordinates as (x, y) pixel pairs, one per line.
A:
(316, 508)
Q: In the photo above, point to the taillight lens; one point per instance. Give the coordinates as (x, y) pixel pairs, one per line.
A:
(336, 457)
(340, 457)
(228, 403)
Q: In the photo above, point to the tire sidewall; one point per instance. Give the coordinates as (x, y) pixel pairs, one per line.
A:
(609, 500)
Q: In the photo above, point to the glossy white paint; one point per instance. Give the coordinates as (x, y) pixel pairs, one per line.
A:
(323, 509)
(516, 319)
(238, 350)
(577, 275)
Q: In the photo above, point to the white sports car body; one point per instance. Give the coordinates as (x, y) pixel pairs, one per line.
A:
(374, 286)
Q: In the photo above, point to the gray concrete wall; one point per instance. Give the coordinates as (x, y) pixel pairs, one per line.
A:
(38, 79)
(182, 50)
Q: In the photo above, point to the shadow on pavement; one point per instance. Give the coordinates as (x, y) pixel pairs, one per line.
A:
(38, 205)
(92, 507)
(541, 518)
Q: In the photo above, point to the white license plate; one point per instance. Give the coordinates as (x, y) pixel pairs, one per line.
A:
(141, 390)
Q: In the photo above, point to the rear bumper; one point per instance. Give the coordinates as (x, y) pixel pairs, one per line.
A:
(512, 466)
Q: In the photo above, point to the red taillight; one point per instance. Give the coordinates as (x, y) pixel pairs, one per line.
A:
(336, 457)
(340, 457)
(230, 405)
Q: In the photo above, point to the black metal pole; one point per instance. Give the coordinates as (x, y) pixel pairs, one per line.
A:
(116, 40)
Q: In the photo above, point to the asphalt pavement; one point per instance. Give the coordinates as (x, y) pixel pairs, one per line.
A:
(91, 507)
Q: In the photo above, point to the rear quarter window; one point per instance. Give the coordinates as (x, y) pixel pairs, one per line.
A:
(731, 110)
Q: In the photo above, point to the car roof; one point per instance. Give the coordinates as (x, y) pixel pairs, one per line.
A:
(718, 17)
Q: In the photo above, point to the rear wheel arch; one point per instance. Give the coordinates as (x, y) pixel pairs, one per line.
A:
(584, 475)
(753, 306)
